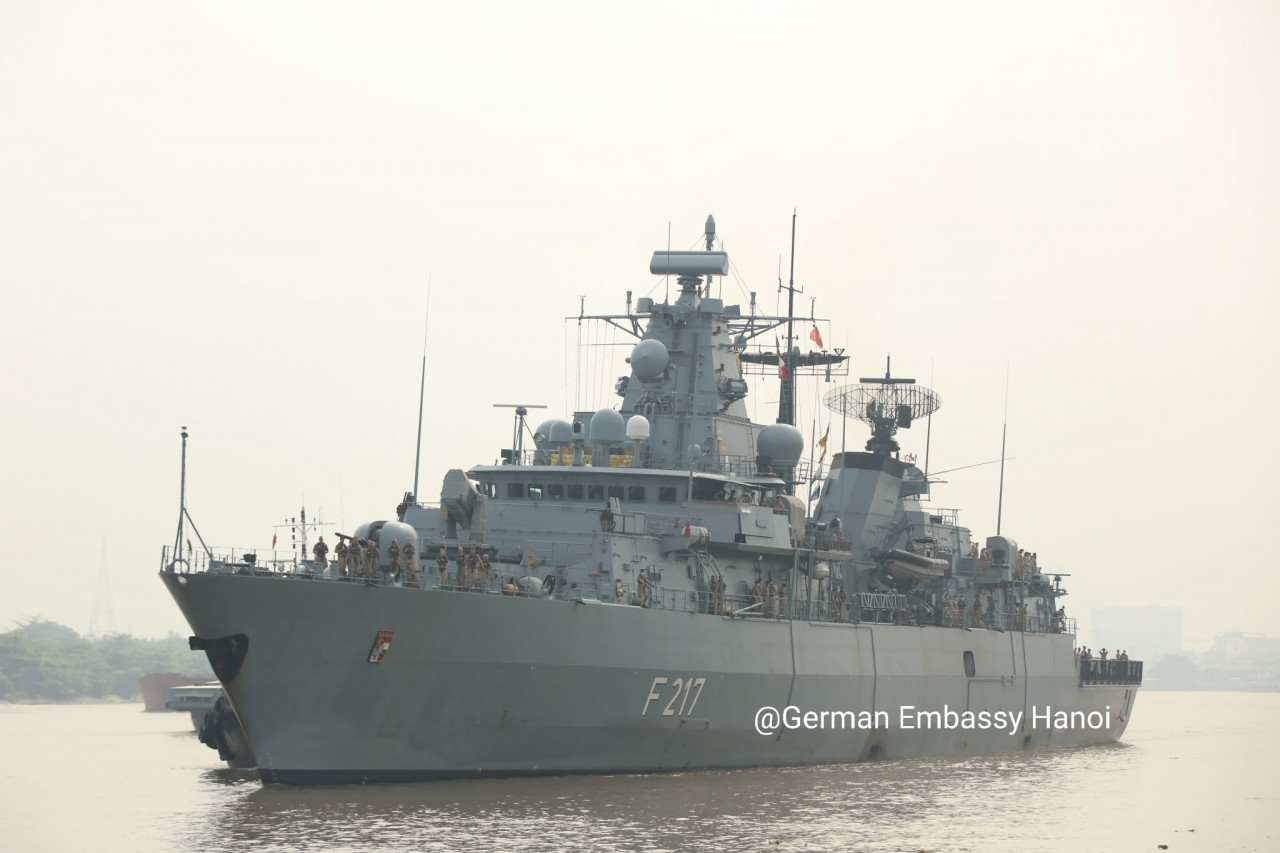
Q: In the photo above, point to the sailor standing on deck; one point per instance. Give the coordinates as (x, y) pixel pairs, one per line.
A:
(465, 566)
(354, 554)
(486, 568)
(321, 552)
(442, 565)
(371, 557)
(393, 557)
(340, 551)
(410, 561)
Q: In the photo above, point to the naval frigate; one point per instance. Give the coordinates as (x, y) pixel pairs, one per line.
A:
(664, 585)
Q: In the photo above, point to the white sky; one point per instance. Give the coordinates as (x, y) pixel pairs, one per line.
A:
(225, 215)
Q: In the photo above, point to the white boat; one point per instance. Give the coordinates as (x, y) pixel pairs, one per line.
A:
(196, 699)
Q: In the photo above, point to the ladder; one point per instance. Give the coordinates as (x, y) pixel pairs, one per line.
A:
(707, 568)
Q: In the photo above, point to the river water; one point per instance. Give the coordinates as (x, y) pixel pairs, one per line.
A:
(1197, 771)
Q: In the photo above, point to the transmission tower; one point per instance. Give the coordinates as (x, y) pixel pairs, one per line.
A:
(103, 621)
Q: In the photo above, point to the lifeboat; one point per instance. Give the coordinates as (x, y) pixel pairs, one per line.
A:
(904, 565)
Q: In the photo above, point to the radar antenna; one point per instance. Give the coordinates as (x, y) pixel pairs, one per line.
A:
(885, 404)
(517, 437)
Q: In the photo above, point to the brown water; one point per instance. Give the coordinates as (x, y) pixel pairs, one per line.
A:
(1198, 772)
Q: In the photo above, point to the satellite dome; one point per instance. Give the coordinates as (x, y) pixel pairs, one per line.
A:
(560, 432)
(607, 426)
(637, 428)
(781, 442)
(543, 433)
(649, 359)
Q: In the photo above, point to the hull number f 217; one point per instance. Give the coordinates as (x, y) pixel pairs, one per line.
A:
(680, 695)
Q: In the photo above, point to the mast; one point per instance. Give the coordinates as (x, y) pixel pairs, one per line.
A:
(787, 394)
(1004, 430)
(182, 500)
(422, 393)
(183, 515)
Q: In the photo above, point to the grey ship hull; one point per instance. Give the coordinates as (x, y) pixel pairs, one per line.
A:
(489, 685)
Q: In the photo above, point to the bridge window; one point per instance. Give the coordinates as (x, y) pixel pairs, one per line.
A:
(616, 492)
(555, 491)
(489, 489)
(515, 490)
(535, 491)
(595, 493)
(969, 668)
(575, 491)
(667, 494)
(635, 493)
(708, 490)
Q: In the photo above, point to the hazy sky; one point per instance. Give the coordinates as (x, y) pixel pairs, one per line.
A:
(225, 216)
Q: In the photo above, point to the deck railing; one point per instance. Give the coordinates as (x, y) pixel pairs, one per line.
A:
(1096, 671)
(860, 607)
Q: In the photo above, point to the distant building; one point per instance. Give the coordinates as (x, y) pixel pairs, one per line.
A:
(1243, 662)
(1147, 633)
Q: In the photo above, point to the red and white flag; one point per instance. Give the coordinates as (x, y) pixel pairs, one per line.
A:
(782, 364)
(816, 337)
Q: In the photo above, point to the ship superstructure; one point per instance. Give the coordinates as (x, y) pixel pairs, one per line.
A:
(628, 591)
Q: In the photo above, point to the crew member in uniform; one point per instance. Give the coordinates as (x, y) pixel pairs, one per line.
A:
(371, 558)
(393, 558)
(340, 551)
(354, 558)
(321, 552)
(464, 568)
(442, 564)
(410, 561)
(486, 568)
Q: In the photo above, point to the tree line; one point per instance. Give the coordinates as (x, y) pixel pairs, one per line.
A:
(42, 661)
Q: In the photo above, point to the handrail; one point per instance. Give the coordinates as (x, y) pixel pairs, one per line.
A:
(1098, 671)
(860, 607)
